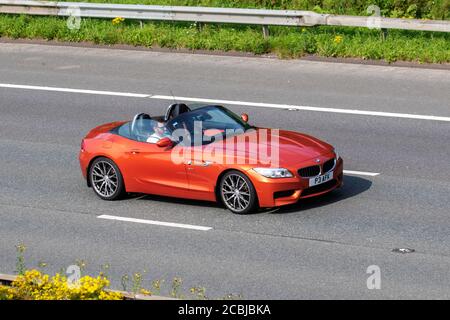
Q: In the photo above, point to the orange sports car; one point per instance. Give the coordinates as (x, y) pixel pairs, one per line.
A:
(208, 153)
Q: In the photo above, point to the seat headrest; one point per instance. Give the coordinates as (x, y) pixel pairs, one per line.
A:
(137, 118)
(175, 110)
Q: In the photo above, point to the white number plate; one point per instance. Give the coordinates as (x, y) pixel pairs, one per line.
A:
(321, 179)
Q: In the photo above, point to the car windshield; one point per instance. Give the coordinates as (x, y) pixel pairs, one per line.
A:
(210, 122)
(144, 130)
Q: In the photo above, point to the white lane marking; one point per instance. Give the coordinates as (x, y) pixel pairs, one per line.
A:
(158, 223)
(232, 102)
(361, 173)
(106, 93)
(75, 66)
(307, 108)
(32, 59)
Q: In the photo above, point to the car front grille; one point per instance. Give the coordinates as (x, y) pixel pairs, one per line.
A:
(328, 165)
(311, 171)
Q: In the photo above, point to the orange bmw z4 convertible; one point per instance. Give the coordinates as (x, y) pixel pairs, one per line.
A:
(208, 153)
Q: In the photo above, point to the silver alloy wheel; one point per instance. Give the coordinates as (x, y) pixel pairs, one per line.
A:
(236, 192)
(104, 179)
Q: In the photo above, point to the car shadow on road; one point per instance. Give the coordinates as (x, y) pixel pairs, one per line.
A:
(189, 202)
(352, 187)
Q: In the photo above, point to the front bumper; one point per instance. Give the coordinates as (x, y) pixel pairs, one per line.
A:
(84, 159)
(284, 191)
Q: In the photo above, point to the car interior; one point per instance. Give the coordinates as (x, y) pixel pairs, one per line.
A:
(142, 125)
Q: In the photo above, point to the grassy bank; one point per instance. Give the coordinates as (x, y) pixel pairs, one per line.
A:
(73, 284)
(285, 42)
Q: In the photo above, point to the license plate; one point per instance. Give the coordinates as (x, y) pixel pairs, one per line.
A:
(320, 179)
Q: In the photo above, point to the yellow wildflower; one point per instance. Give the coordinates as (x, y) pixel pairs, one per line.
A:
(37, 286)
(146, 292)
(338, 39)
(118, 20)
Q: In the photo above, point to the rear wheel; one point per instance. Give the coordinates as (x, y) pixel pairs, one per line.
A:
(238, 193)
(106, 179)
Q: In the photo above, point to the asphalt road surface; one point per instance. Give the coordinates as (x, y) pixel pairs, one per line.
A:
(319, 248)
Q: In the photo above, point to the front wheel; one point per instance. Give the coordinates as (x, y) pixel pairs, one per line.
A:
(238, 193)
(106, 179)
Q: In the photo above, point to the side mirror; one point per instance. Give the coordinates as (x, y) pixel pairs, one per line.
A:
(244, 117)
(164, 142)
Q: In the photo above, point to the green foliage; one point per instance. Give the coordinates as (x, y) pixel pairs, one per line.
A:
(285, 42)
(20, 258)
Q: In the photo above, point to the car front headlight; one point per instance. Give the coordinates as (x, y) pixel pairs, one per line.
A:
(274, 172)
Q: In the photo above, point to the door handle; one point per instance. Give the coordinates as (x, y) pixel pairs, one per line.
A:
(199, 163)
(192, 164)
(134, 151)
(205, 163)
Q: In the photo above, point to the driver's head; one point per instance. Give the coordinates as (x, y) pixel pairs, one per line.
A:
(159, 127)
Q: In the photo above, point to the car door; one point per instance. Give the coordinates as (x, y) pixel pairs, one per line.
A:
(150, 169)
(202, 172)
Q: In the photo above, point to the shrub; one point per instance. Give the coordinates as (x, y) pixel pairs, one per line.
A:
(34, 285)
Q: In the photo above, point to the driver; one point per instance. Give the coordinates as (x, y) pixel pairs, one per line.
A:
(160, 131)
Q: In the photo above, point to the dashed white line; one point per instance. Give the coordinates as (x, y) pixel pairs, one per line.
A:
(153, 222)
(75, 66)
(361, 173)
(232, 102)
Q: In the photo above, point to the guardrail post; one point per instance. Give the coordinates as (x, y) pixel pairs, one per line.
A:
(265, 31)
(384, 33)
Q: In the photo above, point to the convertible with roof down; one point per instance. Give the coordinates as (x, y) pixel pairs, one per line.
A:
(208, 153)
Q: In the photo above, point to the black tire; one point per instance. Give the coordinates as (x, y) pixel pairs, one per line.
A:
(106, 179)
(242, 201)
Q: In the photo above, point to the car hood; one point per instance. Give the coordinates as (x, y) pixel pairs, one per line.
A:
(293, 147)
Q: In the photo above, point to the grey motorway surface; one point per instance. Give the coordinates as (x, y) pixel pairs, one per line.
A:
(319, 248)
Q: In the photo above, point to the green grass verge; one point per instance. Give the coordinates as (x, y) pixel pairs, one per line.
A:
(285, 42)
